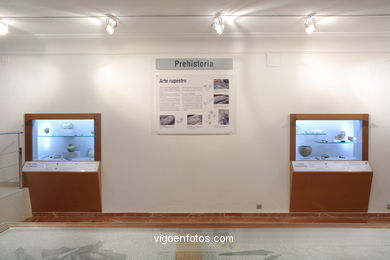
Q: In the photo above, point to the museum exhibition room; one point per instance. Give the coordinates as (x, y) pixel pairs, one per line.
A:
(208, 129)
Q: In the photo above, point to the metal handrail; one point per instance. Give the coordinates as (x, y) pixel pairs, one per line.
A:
(11, 133)
(20, 152)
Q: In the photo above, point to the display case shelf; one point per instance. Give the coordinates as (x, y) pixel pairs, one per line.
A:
(319, 158)
(55, 136)
(319, 142)
(312, 134)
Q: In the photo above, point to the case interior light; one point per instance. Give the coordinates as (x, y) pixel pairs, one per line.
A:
(218, 25)
(309, 23)
(3, 28)
(111, 24)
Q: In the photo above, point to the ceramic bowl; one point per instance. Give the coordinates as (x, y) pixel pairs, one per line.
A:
(305, 150)
(71, 147)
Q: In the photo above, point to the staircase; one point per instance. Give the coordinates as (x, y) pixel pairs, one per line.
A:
(14, 204)
(14, 201)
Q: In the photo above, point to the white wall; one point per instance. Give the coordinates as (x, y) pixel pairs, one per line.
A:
(144, 172)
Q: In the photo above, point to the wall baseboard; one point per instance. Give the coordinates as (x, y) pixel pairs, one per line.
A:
(228, 214)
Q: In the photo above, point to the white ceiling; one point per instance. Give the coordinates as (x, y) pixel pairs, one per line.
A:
(193, 25)
(126, 7)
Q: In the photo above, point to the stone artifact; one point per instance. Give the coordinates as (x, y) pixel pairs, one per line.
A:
(91, 153)
(67, 126)
(340, 136)
(324, 156)
(56, 156)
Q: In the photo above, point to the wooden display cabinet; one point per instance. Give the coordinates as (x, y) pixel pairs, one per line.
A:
(54, 185)
(329, 172)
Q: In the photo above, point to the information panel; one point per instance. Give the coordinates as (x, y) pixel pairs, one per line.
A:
(331, 166)
(195, 104)
(44, 166)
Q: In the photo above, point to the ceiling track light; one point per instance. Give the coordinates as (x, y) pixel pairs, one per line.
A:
(218, 25)
(309, 24)
(3, 28)
(111, 24)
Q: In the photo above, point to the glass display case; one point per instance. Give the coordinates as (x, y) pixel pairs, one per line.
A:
(62, 166)
(332, 137)
(329, 168)
(329, 140)
(63, 139)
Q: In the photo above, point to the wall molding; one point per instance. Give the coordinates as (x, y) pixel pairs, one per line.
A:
(198, 35)
(188, 53)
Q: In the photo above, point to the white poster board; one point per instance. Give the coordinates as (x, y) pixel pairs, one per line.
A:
(194, 104)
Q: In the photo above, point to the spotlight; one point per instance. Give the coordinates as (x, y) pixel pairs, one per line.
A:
(111, 24)
(218, 24)
(3, 28)
(309, 23)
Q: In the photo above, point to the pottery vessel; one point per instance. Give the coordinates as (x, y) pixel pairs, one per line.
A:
(305, 150)
(71, 147)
